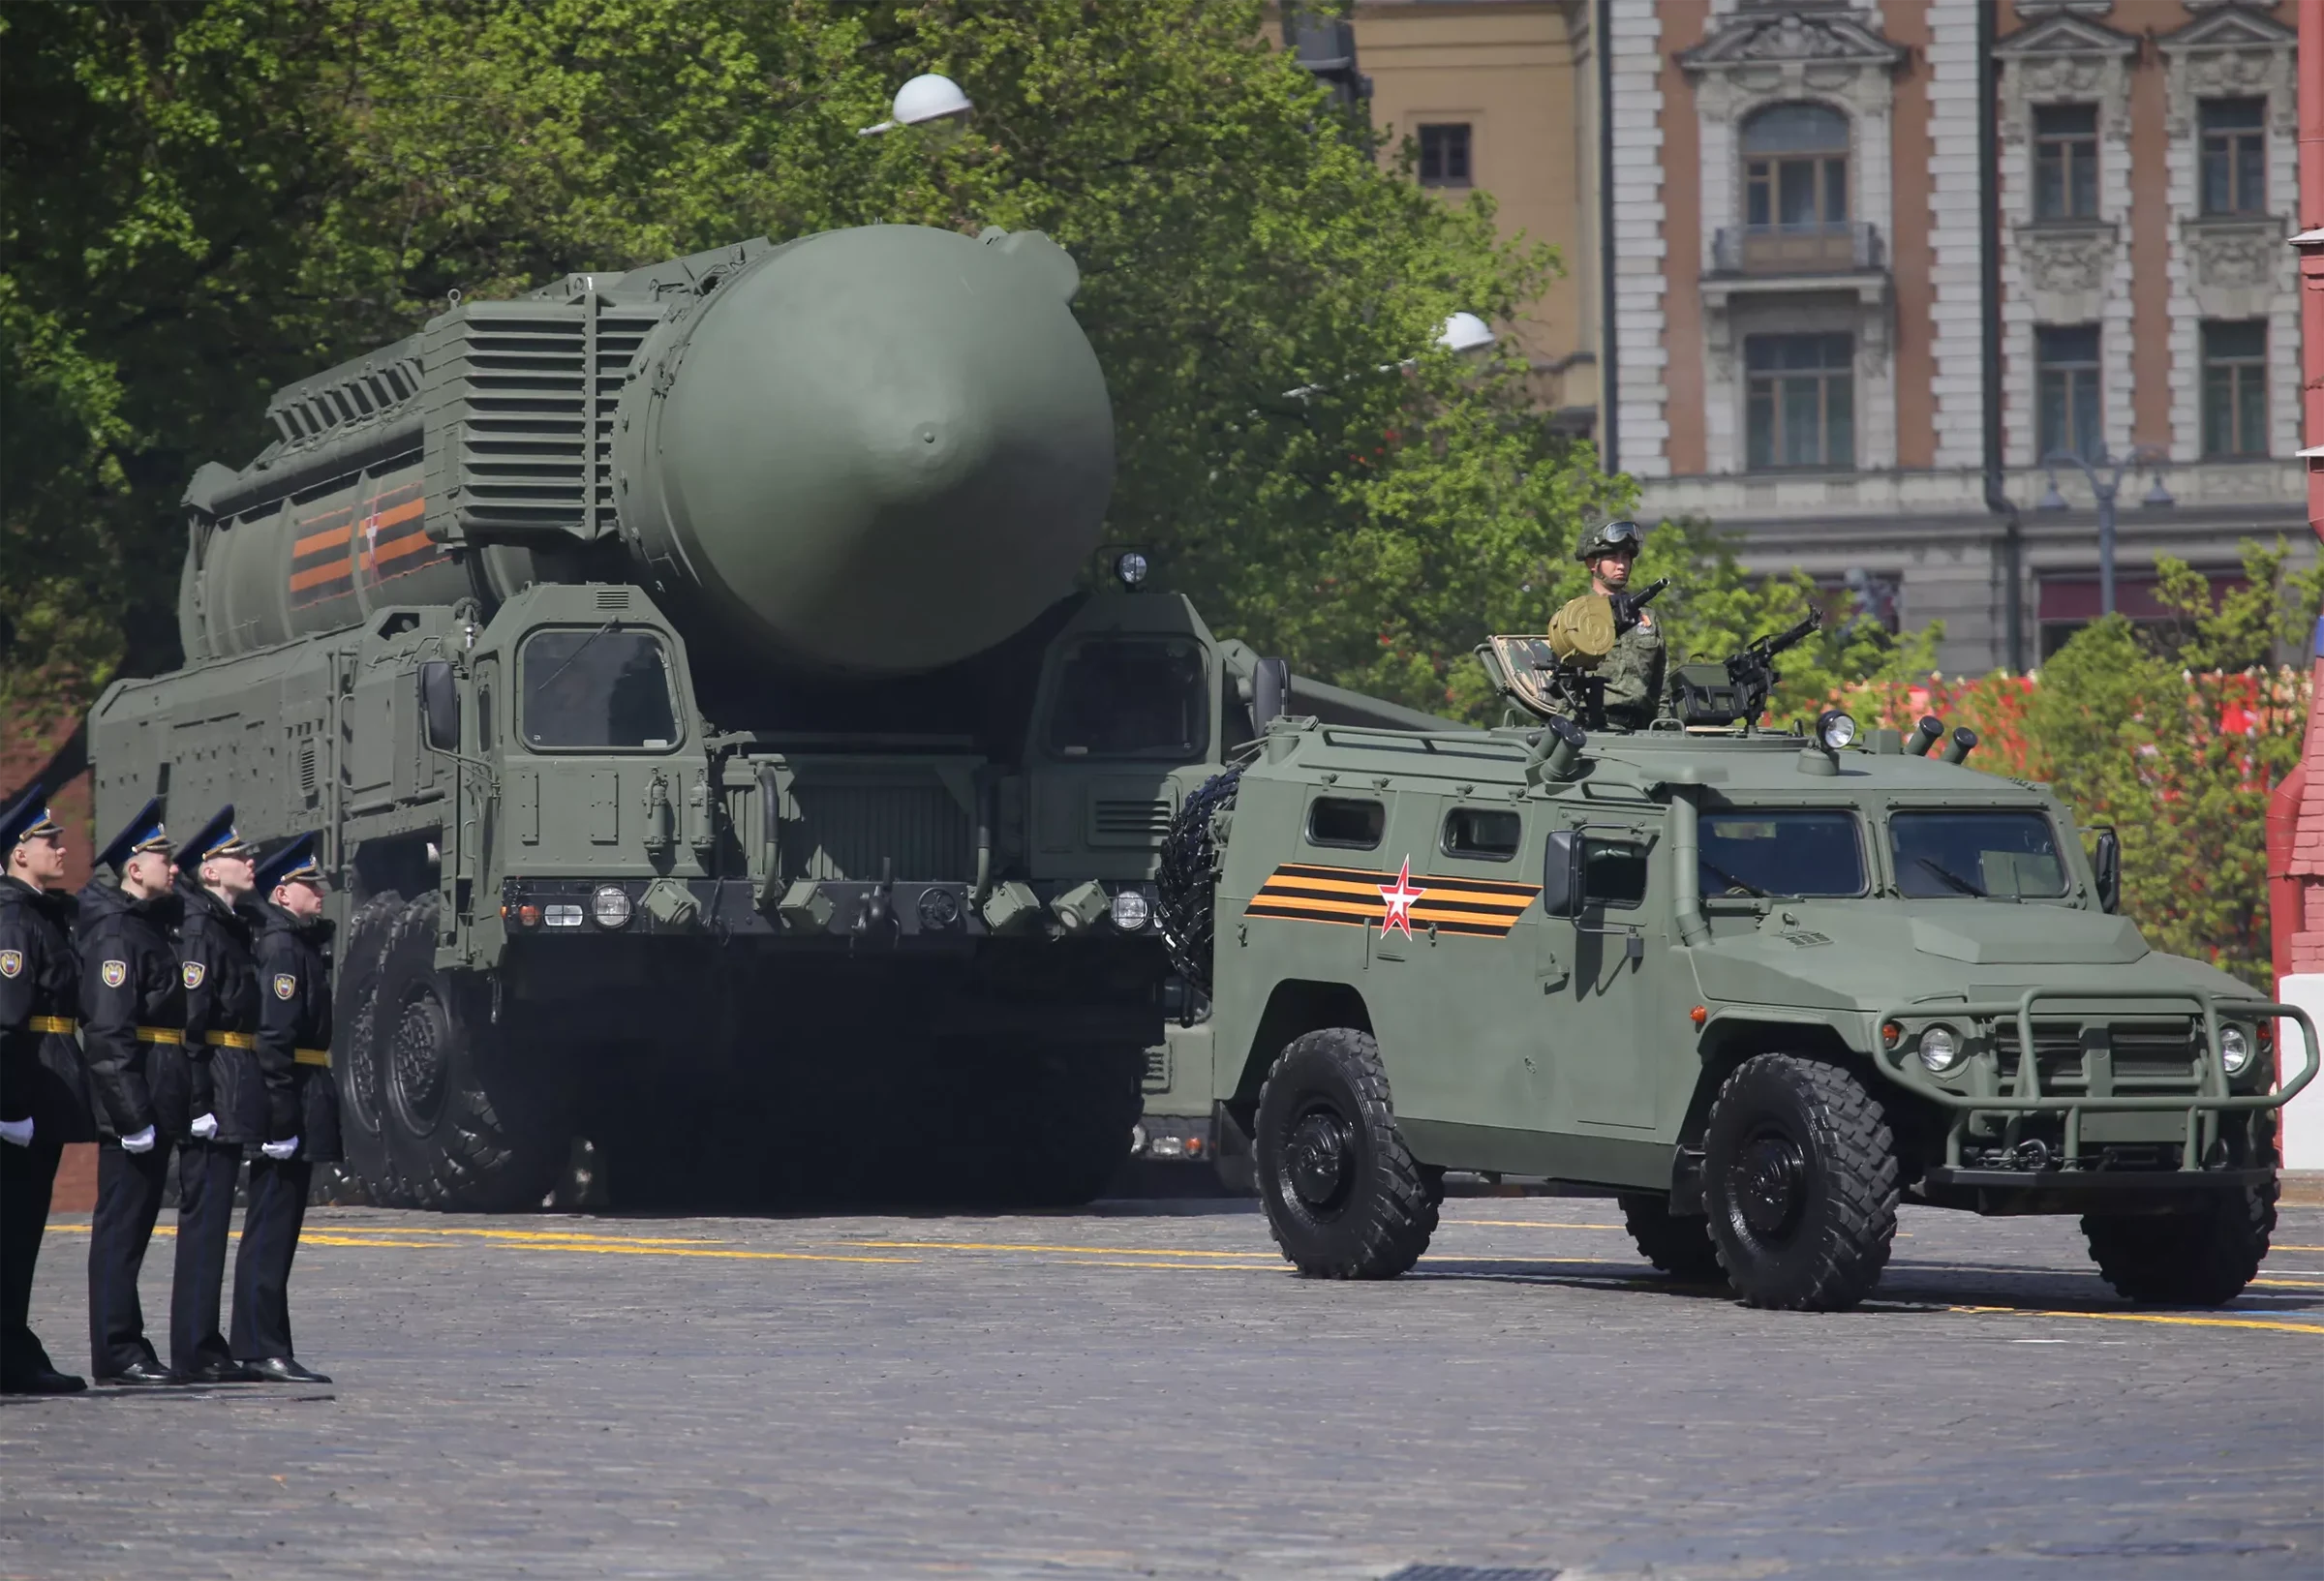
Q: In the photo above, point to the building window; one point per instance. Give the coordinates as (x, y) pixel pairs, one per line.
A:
(2235, 389)
(2065, 161)
(2065, 361)
(1795, 167)
(2235, 156)
(1444, 155)
(1801, 400)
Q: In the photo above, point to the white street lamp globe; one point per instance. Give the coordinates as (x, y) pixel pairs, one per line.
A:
(1465, 332)
(926, 98)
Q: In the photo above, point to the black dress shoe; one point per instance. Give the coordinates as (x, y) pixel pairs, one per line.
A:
(282, 1370)
(219, 1372)
(139, 1375)
(48, 1381)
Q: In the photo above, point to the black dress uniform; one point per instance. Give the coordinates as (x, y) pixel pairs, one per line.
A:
(133, 1013)
(44, 1090)
(293, 1106)
(222, 1020)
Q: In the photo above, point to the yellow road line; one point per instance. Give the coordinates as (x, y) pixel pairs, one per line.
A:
(2291, 1284)
(1018, 1246)
(1174, 1268)
(534, 1235)
(1531, 1223)
(2170, 1318)
(2282, 1247)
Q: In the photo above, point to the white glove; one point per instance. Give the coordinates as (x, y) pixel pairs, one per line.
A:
(204, 1127)
(16, 1132)
(139, 1141)
(281, 1152)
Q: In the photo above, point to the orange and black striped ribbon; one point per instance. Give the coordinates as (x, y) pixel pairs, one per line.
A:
(1478, 907)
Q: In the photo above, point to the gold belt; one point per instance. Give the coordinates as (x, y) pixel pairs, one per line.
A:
(65, 1025)
(313, 1056)
(161, 1034)
(229, 1040)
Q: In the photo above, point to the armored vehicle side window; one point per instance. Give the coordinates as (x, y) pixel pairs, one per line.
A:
(1793, 852)
(601, 688)
(1484, 833)
(1132, 697)
(1613, 873)
(1338, 820)
(1975, 854)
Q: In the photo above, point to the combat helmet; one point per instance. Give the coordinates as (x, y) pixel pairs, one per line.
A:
(1607, 537)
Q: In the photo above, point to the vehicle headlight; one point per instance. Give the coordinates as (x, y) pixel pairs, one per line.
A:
(2235, 1050)
(1130, 911)
(1941, 1049)
(610, 906)
(1834, 729)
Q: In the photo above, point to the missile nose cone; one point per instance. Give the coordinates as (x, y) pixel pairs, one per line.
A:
(886, 450)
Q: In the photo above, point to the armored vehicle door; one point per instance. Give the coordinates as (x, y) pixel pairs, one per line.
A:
(1604, 1005)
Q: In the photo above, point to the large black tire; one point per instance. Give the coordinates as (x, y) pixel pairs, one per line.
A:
(1344, 1197)
(2203, 1255)
(356, 1066)
(1679, 1245)
(1074, 1135)
(1800, 1180)
(1186, 881)
(466, 1125)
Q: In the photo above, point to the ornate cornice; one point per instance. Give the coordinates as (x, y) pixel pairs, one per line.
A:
(1753, 38)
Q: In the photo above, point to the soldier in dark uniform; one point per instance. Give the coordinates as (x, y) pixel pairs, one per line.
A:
(133, 1019)
(221, 1020)
(44, 1090)
(293, 1107)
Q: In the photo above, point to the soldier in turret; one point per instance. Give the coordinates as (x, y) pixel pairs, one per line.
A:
(291, 1109)
(44, 1089)
(221, 1020)
(132, 1035)
(1634, 670)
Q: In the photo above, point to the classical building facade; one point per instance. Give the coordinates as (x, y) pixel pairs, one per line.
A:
(1797, 336)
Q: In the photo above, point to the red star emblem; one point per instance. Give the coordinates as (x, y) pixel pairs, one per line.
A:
(1400, 898)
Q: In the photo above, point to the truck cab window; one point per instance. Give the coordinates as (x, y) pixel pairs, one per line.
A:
(1138, 697)
(1975, 855)
(1795, 853)
(1339, 820)
(600, 688)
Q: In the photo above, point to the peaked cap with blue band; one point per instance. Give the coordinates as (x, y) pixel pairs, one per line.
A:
(27, 818)
(292, 861)
(218, 838)
(143, 832)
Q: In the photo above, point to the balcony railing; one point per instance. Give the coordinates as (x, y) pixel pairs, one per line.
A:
(1821, 248)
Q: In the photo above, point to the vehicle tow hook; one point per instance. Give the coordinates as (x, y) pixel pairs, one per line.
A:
(2031, 1155)
(877, 920)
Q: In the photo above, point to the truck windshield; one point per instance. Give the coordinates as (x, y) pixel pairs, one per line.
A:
(1131, 697)
(1974, 853)
(603, 689)
(1791, 852)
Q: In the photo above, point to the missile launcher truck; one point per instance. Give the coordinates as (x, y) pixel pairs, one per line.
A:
(1763, 986)
(682, 671)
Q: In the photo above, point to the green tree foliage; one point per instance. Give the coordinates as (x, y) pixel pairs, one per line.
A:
(204, 201)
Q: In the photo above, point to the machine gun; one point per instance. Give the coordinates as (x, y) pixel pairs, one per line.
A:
(1556, 675)
(1735, 690)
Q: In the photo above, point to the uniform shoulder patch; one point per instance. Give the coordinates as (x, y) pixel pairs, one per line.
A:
(114, 973)
(285, 985)
(11, 963)
(193, 972)
(1646, 618)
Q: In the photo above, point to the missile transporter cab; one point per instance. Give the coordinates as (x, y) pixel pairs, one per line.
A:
(681, 670)
(1763, 986)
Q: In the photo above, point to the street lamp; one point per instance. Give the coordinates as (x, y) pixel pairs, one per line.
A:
(925, 99)
(1463, 334)
(2104, 490)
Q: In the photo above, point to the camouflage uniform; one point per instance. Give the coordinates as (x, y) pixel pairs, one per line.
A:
(1634, 669)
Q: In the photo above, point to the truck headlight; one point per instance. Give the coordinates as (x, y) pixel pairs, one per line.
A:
(1939, 1050)
(1834, 729)
(1130, 911)
(2235, 1050)
(610, 906)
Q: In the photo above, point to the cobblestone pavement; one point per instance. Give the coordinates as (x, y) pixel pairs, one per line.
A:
(1144, 1390)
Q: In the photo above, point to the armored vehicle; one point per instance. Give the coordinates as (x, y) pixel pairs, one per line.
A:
(1763, 986)
(681, 670)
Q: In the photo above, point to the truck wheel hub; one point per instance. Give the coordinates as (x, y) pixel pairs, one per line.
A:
(1318, 1159)
(415, 1060)
(1769, 1183)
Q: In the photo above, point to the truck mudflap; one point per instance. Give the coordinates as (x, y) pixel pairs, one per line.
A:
(2019, 1092)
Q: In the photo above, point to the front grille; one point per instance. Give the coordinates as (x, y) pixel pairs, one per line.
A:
(1120, 821)
(841, 830)
(2154, 1052)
